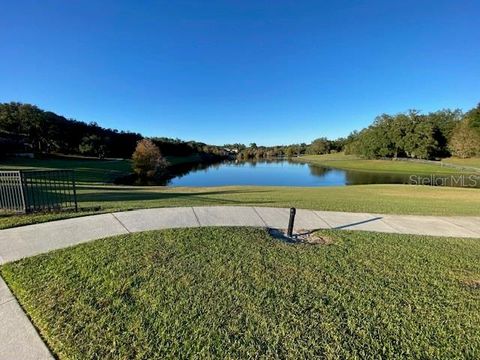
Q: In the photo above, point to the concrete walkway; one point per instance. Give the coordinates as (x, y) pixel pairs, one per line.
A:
(19, 339)
(25, 241)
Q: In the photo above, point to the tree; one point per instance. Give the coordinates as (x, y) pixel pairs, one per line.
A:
(147, 159)
(290, 151)
(444, 122)
(319, 146)
(418, 135)
(465, 140)
(408, 134)
(92, 145)
(421, 144)
(473, 117)
(25, 120)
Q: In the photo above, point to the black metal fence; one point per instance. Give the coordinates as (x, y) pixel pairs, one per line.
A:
(32, 191)
(11, 191)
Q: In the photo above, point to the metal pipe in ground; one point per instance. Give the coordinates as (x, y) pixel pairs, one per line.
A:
(291, 222)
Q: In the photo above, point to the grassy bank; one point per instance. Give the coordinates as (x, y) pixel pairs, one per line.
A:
(350, 162)
(237, 293)
(392, 199)
(95, 171)
(470, 163)
(88, 171)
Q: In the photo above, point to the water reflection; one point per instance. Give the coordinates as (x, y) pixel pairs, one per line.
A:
(275, 172)
(363, 177)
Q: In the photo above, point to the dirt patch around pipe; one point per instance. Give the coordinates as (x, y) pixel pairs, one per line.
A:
(305, 237)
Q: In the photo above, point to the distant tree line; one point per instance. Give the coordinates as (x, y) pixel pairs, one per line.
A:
(26, 128)
(412, 134)
(317, 147)
(177, 147)
(420, 136)
(253, 151)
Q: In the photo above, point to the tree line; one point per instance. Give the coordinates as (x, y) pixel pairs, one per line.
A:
(411, 134)
(443, 133)
(177, 147)
(318, 146)
(415, 135)
(27, 128)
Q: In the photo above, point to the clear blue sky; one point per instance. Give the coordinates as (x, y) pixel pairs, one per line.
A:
(270, 72)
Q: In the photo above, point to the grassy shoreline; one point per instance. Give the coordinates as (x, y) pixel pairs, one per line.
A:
(387, 199)
(473, 163)
(350, 162)
(88, 171)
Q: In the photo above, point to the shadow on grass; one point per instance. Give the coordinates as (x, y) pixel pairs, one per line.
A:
(132, 195)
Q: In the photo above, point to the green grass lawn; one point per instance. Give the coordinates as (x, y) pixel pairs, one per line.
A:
(471, 162)
(350, 162)
(87, 171)
(232, 293)
(388, 199)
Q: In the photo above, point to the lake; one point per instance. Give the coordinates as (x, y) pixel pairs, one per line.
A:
(276, 173)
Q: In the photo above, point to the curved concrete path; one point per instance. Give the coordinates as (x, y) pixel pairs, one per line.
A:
(25, 241)
(18, 337)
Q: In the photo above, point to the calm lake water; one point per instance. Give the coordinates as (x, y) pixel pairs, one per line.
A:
(277, 173)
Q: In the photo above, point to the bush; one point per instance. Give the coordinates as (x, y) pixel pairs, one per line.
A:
(147, 159)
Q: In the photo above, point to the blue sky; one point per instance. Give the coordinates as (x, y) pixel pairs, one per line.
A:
(270, 72)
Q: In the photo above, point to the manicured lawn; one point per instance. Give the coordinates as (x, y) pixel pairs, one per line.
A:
(472, 162)
(87, 171)
(391, 199)
(349, 162)
(236, 293)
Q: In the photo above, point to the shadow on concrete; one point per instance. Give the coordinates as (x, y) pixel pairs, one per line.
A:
(358, 223)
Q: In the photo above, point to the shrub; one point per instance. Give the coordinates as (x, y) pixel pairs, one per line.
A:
(147, 159)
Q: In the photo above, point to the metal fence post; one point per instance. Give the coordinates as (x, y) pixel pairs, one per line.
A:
(291, 221)
(23, 190)
(74, 191)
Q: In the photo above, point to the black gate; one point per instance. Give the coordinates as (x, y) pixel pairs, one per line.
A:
(31, 191)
